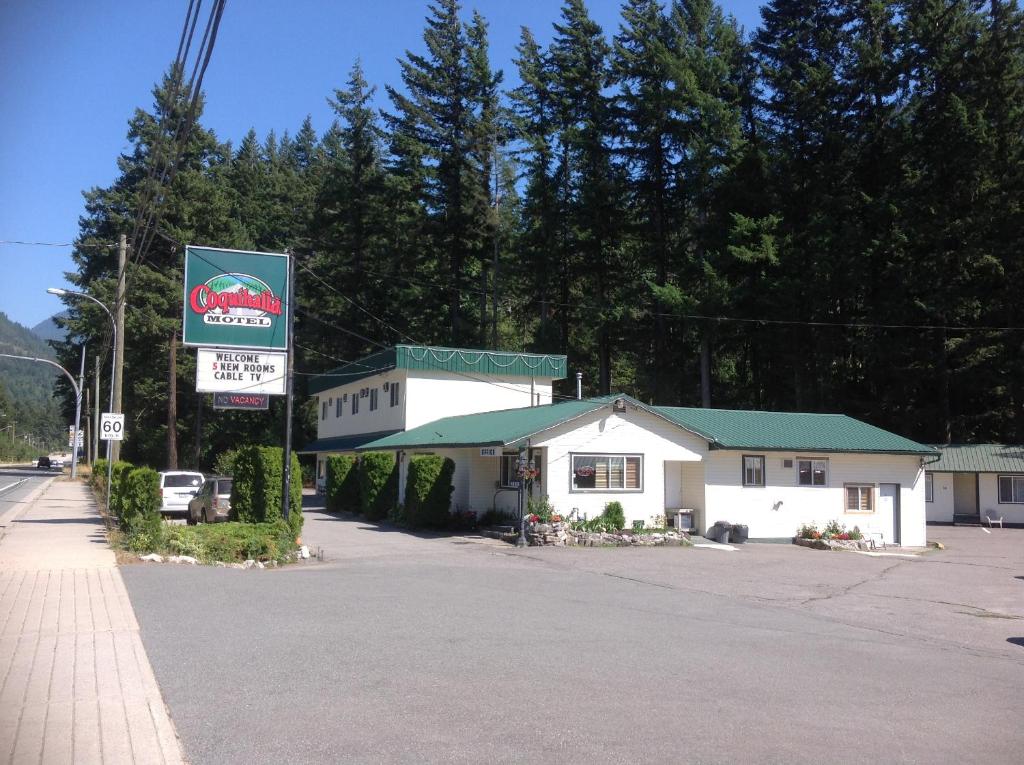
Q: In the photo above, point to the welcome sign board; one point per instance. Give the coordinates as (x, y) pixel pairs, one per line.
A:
(235, 299)
(233, 371)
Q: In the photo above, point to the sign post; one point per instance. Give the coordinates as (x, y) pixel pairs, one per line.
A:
(289, 390)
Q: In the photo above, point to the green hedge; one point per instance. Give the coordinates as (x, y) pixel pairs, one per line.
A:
(225, 462)
(342, 483)
(98, 478)
(256, 489)
(141, 498)
(428, 491)
(378, 484)
(118, 487)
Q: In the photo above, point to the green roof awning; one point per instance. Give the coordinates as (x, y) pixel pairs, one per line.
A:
(342, 443)
(462, 361)
(721, 428)
(979, 458)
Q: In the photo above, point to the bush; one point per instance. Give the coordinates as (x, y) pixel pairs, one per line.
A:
(428, 491)
(256, 489)
(378, 484)
(342, 483)
(211, 542)
(615, 515)
(225, 462)
(98, 478)
(542, 508)
(118, 479)
(141, 496)
(495, 517)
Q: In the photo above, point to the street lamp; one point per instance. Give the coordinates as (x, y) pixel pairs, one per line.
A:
(61, 292)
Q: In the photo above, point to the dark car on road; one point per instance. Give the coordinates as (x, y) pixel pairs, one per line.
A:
(43, 462)
(212, 503)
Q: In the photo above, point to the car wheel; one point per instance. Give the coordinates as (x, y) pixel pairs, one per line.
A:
(190, 519)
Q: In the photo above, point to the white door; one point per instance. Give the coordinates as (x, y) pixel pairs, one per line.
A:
(673, 485)
(889, 510)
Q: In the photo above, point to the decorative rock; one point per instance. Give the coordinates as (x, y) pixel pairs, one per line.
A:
(259, 564)
(220, 564)
(152, 558)
(249, 563)
(238, 565)
(303, 552)
(182, 559)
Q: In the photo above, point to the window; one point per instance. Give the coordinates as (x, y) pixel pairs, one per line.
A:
(860, 498)
(373, 399)
(507, 478)
(929, 488)
(337, 407)
(812, 472)
(606, 472)
(753, 471)
(323, 412)
(394, 394)
(1011, 489)
(355, 404)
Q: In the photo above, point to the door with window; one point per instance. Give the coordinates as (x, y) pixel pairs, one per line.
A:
(889, 507)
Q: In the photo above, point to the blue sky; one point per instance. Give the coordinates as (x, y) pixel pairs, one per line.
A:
(73, 73)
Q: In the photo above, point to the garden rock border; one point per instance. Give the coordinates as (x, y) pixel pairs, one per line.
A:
(833, 544)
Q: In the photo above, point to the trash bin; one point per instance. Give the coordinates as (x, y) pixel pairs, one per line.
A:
(740, 533)
(719, 532)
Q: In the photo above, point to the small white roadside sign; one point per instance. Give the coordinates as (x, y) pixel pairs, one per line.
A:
(223, 371)
(111, 426)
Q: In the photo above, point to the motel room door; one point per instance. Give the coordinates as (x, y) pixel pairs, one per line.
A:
(889, 507)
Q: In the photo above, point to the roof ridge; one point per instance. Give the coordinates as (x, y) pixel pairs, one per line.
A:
(754, 411)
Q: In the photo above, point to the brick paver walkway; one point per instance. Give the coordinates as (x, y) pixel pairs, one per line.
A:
(77, 686)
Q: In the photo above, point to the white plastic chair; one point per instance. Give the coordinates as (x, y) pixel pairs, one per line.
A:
(992, 518)
(874, 537)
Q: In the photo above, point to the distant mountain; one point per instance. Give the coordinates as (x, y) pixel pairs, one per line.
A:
(29, 385)
(48, 329)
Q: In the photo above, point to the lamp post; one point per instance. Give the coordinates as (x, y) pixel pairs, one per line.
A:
(60, 292)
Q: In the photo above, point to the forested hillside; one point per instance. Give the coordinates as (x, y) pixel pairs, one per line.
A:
(823, 214)
(27, 388)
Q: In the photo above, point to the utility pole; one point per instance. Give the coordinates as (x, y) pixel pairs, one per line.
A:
(87, 441)
(78, 417)
(122, 262)
(289, 387)
(96, 415)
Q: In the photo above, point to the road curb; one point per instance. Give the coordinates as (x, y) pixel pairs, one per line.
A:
(9, 517)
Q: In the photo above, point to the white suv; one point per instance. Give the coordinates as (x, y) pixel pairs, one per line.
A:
(178, 487)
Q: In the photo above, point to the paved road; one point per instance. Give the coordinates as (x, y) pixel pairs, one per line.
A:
(414, 649)
(17, 483)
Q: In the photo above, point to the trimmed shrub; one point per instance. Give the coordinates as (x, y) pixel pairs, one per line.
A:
(141, 496)
(378, 484)
(225, 462)
(98, 478)
(342, 483)
(615, 515)
(256, 489)
(118, 488)
(428, 491)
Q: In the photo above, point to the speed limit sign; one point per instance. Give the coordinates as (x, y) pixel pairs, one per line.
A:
(112, 427)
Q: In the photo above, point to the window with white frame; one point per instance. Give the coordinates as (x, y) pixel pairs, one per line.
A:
(507, 469)
(1011, 489)
(810, 472)
(929, 488)
(753, 470)
(394, 393)
(337, 407)
(860, 498)
(607, 472)
(355, 403)
(323, 411)
(373, 399)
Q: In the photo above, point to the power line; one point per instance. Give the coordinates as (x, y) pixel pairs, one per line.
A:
(52, 244)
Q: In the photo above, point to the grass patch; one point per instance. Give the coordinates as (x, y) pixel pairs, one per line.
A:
(230, 542)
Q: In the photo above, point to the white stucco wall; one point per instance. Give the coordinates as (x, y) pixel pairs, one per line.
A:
(988, 494)
(605, 432)
(941, 508)
(384, 418)
(728, 500)
(432, 395)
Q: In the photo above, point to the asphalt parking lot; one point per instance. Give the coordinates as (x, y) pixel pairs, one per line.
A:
(399, 648)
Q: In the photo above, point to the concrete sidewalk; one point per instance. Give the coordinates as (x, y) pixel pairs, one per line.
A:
(77, 685)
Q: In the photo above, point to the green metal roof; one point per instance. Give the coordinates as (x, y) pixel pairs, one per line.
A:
(500, 428)
(789, 431)
(343, 443)
(979, 458)
(722, 428)
(463, 361)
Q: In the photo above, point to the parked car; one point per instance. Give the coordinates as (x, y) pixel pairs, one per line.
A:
(44, 462)
(213, 501)
(57, 463)
(178, 487)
